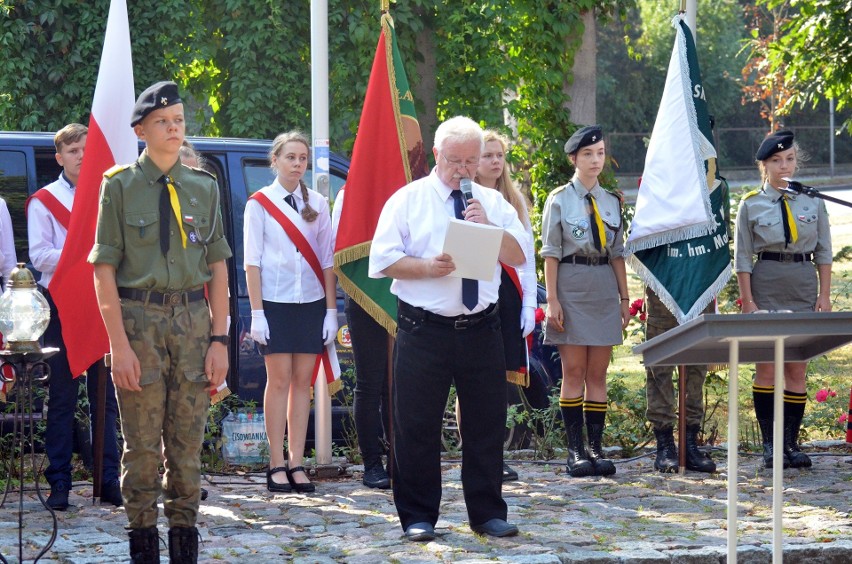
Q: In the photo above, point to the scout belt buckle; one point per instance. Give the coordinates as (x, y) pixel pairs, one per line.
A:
(173, 299)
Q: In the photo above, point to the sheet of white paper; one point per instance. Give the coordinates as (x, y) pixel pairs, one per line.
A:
(474, 248)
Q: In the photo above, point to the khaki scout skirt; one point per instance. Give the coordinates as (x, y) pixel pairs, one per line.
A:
(590, 306)
(784, 285)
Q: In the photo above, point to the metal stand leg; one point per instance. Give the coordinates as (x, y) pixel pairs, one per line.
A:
(23, 432)
(733, 446)
(778, 450)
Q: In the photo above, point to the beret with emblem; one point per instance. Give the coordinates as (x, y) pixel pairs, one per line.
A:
(160, 95)
(775, 143)
(583, 137)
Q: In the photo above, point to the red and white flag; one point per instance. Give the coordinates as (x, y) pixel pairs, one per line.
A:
(110, 141)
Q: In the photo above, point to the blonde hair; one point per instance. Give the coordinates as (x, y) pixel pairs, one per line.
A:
(188, 152)
(71, 133)
(309, 214)
(504, 183)
(801, 157)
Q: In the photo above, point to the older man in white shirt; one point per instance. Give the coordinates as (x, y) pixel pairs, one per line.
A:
(449, 332)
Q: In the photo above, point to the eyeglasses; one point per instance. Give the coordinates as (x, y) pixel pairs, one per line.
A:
(461, 164)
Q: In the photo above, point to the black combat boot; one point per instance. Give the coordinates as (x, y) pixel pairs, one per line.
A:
(798, 459)
(144, 546)
(766, 432)
(579, 464)
(603, 466)
(666, 460)
(183, 545)
(696, 460)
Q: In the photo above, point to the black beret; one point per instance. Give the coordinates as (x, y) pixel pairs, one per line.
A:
(160, 95)
(583, 137)
(774, 143)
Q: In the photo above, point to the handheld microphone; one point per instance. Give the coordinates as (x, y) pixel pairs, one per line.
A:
(798, 187)
(465, 187)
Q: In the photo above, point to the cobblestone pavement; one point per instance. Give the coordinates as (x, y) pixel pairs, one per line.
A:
(635, 516)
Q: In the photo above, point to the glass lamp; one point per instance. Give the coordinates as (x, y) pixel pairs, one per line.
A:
(24, 312)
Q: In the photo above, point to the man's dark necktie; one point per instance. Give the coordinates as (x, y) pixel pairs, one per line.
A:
(291, 199)
(470, 288)
(165, 210)
(598, 233)
(791, 232)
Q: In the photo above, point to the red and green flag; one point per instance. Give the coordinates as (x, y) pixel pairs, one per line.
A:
(388, 154)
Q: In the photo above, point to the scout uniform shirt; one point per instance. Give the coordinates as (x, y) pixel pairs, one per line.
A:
(128, 235)
(760, 227)
(565, 226)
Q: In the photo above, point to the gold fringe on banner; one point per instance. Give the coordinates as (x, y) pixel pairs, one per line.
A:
(519, 378)
(219, 396)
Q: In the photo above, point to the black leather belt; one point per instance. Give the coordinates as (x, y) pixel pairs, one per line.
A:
(785, 257)
(456, 322)
(160, 298)
(589, 261)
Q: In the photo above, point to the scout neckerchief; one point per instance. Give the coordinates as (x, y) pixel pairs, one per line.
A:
(328, 358)
(60, 213)
(597, 227)
(169, 202)
(791, 232)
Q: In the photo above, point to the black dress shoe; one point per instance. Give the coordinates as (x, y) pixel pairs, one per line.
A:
(297, 487)
(419, 532)
(509, 473)
(376, 477)
(274, 486)
(58, 498)
(111, 493)
(496, 528)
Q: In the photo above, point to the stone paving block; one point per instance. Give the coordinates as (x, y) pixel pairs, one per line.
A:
(706, 555)
(644, 556)
(587, 557)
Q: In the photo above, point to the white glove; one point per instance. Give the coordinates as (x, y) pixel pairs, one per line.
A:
(527, 320)
(259, 327)
(329, 326)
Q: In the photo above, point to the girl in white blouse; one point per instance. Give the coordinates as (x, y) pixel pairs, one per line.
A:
(294, 312)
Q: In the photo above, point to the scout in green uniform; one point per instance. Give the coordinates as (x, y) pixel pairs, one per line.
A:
(159, 240)
(790, 237)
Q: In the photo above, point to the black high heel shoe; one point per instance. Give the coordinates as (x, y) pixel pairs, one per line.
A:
(274, 486)
(297, 487)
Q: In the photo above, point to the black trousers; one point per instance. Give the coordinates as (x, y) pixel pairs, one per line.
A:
(370, 352)
(428, 358)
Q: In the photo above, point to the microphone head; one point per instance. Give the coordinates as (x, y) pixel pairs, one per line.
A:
(465, 187)
(793, 185)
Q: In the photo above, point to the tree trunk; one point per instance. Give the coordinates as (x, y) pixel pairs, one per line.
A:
(425, 84)
(582, 90)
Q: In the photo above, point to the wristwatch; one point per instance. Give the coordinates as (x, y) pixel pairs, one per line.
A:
(224, 339)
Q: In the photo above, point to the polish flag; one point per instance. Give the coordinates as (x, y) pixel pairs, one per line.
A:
(110, 141)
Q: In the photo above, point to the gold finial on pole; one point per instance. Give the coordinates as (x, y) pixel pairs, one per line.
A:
(385, 5)
(682, 6)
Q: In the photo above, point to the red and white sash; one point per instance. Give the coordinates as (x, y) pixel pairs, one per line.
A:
(327, 360)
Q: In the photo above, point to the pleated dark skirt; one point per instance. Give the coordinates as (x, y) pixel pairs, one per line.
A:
(294, 328)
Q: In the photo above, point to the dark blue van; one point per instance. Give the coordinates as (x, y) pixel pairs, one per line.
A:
(27, 163)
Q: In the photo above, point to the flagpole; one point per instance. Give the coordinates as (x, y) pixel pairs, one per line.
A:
(319, 125)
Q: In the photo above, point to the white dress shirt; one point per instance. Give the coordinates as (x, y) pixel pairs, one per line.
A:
(8, 257)
(336, 211)
(413, 223)
(45, 234)
(285, 275)
(527, 273)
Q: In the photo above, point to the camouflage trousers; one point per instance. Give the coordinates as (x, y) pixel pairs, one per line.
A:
(659, 384)
(171, 410)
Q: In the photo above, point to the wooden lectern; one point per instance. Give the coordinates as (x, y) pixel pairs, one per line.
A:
(748, 338)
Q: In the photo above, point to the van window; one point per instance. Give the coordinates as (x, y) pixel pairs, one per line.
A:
(13, 187)
(257, 174)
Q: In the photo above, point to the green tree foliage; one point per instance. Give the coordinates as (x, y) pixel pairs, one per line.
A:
(634, 60)
(814, 52)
